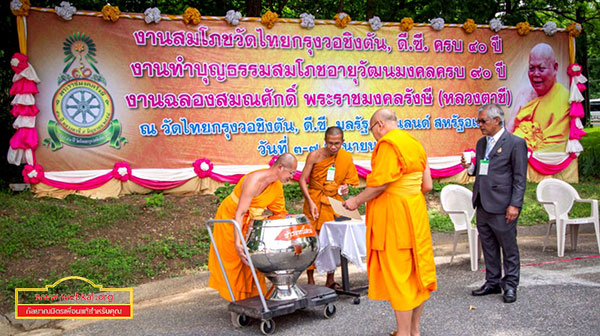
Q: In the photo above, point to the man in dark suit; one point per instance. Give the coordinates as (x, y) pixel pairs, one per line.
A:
(501, 173)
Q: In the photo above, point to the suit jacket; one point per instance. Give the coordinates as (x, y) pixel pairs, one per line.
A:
(505, 181)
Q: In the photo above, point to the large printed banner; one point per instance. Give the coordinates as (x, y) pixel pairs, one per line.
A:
(164, 95)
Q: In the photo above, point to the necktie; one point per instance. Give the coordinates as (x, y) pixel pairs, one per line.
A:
(488, 149)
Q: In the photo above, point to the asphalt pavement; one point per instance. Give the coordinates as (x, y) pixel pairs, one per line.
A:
(557, 296)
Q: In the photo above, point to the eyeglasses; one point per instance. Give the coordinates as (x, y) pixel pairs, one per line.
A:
(375, 124)
(482, 121)
(292, 172)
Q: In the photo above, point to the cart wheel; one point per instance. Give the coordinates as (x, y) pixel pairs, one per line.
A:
(239, 320)
(329, 310)
(267, 327)
(356, 300)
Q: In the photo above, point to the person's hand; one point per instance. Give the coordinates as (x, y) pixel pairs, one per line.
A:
(314, 211)
(464, 163)
(511, 213)
(351, 204)
(344, 189)
(239, 248)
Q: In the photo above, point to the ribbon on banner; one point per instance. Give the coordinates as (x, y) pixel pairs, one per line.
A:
(547, 164)
(58, 136)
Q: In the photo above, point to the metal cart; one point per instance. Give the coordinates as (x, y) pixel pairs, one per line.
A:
(265, 310)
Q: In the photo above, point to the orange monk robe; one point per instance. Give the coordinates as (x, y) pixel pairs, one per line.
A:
(400, 261)
(239, 275)
(544, 122)
(319, 188)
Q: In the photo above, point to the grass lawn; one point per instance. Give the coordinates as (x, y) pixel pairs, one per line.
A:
(116, 242)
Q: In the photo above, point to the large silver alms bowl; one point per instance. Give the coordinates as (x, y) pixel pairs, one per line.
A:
(282, 249)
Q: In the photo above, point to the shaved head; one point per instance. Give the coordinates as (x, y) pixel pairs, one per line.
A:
(542, 68)
(333, 131)
(382, 121)
(284, 167)
(286, 160)
(543, 50)
(384, 115)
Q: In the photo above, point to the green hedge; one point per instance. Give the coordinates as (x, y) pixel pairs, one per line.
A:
(589, 159)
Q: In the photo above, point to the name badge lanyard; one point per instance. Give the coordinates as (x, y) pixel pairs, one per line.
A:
(484, 164)
(331, 173)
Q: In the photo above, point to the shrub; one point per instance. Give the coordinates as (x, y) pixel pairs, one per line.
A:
(155, 201)
(589, 160)
(439, 221)
(292, 192)
(224, 191)
(353, 191)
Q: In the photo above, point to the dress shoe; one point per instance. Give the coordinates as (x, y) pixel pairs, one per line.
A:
(486, 290)
(510, 295)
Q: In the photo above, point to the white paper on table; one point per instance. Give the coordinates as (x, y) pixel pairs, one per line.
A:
(339, 209)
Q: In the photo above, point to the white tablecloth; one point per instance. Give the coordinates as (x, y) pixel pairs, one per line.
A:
(348, 237)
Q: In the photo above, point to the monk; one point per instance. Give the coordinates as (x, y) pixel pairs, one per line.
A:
(544, 121)
(255, 192)
(400, 262)
(330, 170)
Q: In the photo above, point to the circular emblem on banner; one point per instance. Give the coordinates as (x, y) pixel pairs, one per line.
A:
(82, 107)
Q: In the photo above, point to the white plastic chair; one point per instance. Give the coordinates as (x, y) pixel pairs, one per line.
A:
(557, 197)
(456, 202)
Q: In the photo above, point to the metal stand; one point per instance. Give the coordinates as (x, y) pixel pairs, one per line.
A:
(259, 308)
(346, 283)
(251, 307)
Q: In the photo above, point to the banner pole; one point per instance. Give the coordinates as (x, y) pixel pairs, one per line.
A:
(572, 50)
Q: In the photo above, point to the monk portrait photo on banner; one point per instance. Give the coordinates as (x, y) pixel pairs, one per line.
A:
(540, 114)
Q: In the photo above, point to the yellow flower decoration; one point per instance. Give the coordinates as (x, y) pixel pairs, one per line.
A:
(342, 19)
(469, 26)
(574, 29)
(191, 15)
(110, 13)
(406, 24)
(269, 19)
(523, 28)
(23, 11)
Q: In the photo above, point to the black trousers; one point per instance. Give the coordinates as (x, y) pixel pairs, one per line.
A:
(495, 235)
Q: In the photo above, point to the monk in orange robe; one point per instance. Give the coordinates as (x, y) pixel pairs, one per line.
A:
(330, 170)
(400, 261)
(544, 121)
(257, 191)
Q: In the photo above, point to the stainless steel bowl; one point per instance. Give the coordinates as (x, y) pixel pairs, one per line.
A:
(282, 249)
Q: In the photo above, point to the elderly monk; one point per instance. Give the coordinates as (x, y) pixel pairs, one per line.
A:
(330, 170)
(400, 262)
(255, 192)
(544, 121)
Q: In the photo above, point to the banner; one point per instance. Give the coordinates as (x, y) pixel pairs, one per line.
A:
(164, 95)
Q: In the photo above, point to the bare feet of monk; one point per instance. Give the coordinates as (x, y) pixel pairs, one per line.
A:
(330, 282)
(395, 333)
(334, 286)
(310, 276)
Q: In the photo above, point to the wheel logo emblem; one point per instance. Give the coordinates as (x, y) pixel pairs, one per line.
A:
(82, 106)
